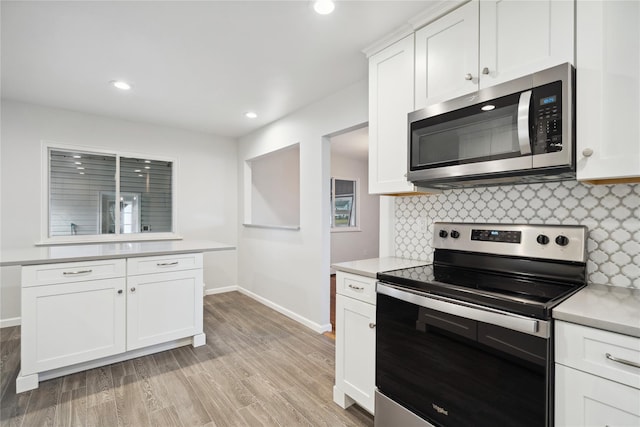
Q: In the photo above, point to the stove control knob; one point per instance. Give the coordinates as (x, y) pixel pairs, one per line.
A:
(542, 239)
(562, 240)
(455, 234)
(443, 234)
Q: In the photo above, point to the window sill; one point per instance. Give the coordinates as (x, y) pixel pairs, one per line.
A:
(273, 227)
(345, 229)
(81, 240)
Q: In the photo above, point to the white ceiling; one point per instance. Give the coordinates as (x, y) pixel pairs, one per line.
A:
(353, 144)
(196, 65)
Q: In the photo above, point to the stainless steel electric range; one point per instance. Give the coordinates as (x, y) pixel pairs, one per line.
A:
(468, 340)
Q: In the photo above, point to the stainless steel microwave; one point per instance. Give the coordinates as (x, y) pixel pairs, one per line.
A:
(519, 131)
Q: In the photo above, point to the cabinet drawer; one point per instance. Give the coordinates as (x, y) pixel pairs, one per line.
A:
(586, 349)
(69, 272)
(160, 264)
(355, 286)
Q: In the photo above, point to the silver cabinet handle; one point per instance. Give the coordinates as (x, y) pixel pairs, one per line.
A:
(485, 70)
(623, 361)
(587, 152)
(167, 264)
(468, 76)
(372, 325)
(133, 289)
(357, 288)
(69, 273)
(523, 123)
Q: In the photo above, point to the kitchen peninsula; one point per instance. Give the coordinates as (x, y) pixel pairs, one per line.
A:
(91, 305)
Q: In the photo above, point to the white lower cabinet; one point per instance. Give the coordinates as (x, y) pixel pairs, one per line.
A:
(70, 323)
(355, 344)
(85, 314)
(163, 307)
(596, 382)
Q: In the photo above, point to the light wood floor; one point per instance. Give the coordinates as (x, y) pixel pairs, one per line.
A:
(259, 368)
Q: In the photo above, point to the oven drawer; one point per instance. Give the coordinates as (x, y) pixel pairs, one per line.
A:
(359, 287)
(606, 354)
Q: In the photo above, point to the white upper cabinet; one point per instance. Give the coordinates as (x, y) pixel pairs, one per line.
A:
(521, 37)
(390, 100)
(608, 91)
(487, 42)
(447, 57)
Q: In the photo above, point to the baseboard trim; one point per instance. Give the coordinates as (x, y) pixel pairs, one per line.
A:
(222, 290)
(12, 321)
(316, 327)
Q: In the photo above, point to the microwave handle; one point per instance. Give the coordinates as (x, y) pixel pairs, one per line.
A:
(523, 123)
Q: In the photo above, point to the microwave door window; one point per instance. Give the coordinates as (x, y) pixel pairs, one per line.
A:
(485, 135)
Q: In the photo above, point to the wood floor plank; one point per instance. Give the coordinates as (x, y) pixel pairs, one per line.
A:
(74, 381)
(283, 412)
(166, 417)
(256, 416)
(99, 386)
(155, 393)
(72, 408)
(102, 414)
(43, 404)
(13, 406)
(186, 401)
(217, 404)
(9, 359)
(130, 409)
(123, 369)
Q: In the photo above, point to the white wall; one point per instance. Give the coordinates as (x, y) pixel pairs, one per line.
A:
(206, 181)
(286, 269)
(353, 245)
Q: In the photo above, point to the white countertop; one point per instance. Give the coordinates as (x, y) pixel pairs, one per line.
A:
(370, 267)
(69, 253)
(612, 308)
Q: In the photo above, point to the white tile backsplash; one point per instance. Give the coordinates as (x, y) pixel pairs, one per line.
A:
(612, 214)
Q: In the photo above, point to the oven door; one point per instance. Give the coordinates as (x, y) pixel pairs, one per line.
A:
(454, 370)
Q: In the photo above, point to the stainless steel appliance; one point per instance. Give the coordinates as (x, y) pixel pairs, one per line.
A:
(522, 130)
(467, 340)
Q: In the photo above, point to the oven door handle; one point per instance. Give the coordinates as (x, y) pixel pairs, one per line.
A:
(469, 311)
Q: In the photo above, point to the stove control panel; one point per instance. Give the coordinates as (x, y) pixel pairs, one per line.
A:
(561, 242)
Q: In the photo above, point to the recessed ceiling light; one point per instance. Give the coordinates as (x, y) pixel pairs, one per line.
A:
(120, 84)
(250, 115)
(488, 107)
(324, 7)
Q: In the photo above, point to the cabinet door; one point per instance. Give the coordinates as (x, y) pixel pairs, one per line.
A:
(163, 307)
(447, 57)
(521, 37)
(587, 400)
(71, 323)
(356, 350)
(390, 101)
(608, 90)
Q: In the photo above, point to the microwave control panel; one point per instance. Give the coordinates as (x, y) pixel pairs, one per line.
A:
(547, 118)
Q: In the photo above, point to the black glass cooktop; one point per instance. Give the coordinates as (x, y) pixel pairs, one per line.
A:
(527, 289)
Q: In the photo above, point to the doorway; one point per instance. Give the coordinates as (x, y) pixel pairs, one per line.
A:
(355, 214)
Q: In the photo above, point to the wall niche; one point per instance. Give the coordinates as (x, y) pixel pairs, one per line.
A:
(272, 189)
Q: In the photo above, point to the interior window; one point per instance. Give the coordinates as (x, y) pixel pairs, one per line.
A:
(85, 198)
(343, 203)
